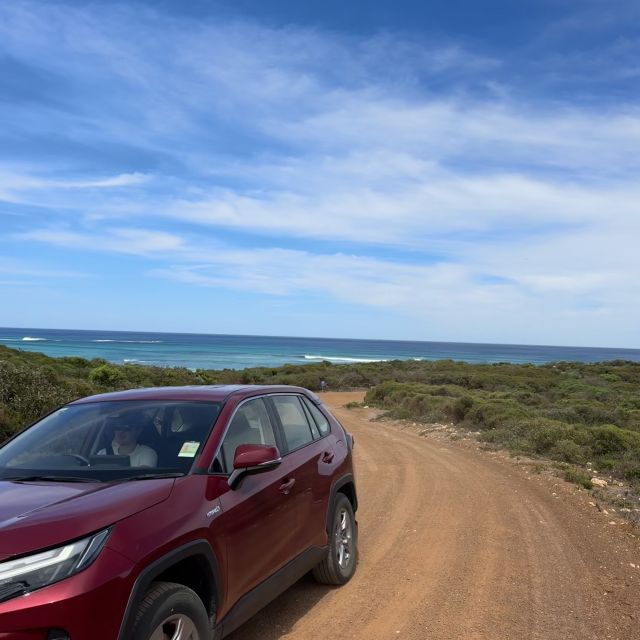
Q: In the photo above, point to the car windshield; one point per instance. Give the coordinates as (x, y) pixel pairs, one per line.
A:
(110, 441)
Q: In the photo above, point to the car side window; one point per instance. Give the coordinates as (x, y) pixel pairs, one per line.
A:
(296, 428)
(250, 425)
(323, 424)
(311, 421)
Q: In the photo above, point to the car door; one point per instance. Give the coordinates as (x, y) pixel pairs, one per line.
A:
(259, 517)
(311, 460)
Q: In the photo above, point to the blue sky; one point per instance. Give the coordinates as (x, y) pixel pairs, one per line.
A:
(456, 171)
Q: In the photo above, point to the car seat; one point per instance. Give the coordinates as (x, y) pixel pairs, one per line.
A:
(196, 422)
(240, 432)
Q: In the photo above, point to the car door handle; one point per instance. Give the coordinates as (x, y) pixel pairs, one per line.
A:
(328, 456)
(286, 486)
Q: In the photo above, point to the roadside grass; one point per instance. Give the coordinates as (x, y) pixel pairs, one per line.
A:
(579, 477)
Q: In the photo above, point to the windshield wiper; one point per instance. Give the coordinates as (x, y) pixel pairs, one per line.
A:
(153, 476)
(49, 479)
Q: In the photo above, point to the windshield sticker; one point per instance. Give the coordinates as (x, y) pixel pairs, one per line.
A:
(188, 450)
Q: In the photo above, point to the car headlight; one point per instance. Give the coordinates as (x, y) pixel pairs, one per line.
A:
(25, 574)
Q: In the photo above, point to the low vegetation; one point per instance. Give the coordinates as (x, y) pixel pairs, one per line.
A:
(567, 411)
(570, 412)
(579, 477)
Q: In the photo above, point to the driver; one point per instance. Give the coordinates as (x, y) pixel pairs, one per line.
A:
(125, 442)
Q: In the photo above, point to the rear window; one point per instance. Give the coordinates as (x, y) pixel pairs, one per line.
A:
(296, 428)
(321, 422)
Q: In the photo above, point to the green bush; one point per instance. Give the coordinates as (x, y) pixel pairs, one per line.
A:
(578, 477)
(609, 439)
(461, 407)
(546, 434)
(569, 451)
(515, 438)
(493, 413)
(107, 376)
(26, 394)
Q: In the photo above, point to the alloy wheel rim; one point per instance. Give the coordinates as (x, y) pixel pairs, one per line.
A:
(176, 627)
(344, 539)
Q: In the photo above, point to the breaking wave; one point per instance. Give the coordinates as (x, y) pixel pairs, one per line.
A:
(131, 341)
(344, 359)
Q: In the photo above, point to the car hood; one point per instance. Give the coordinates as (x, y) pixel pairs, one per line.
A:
(37, 515)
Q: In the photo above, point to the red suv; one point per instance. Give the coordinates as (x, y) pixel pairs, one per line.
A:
(170, 513)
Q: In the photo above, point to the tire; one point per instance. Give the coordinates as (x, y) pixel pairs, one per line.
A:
(339, 564)
(171, 611)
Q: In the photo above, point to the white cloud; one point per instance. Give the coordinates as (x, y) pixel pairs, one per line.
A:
(30, 269)
(536, 275)
(421, 211)
(531, 207)
(140, 242)
(22, 188)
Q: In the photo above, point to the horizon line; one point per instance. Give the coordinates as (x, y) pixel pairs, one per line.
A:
(247, 335)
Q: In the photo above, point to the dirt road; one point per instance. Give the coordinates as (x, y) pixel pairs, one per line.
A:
(459, 544)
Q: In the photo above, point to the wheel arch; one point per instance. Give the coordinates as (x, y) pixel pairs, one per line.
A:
(347, 486)
(193, 564)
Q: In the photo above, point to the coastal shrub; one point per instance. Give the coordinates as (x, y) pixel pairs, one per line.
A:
(107, 376)
(391, 393)
(589, 414)
(493, 413)
(515, 438)
(461, 407)
(416, 401)
(530, 398)
(633, 420)
(609, 439)
(579, 477)
(26, 394)
(5, 425)
(569, 451)
(545, 434)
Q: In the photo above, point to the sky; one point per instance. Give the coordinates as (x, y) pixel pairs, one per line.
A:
(452, 170)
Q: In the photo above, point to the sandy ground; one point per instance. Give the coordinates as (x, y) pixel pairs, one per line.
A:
(456, 543)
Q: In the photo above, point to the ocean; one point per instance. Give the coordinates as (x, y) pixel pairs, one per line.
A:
(210, 351)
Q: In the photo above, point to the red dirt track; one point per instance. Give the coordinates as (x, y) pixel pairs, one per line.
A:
(456, 543)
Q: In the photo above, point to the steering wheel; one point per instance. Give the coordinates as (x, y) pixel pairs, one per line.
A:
(83, 461)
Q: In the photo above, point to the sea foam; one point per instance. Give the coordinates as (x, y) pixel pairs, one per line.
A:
(344, 359)
(132, 341)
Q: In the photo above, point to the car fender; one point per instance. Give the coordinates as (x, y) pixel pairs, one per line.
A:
(156, 568)
(340, 482)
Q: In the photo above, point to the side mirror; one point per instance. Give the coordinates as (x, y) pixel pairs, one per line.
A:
(250, 459)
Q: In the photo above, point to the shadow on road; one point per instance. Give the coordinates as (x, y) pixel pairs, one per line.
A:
(280, 616)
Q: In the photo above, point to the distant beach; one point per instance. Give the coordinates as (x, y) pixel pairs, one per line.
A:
(210, 351)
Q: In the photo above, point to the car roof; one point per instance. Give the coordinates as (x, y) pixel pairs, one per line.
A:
(202, 393)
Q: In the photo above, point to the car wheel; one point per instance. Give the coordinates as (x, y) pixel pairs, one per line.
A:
(171, 611)
(340, 562)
